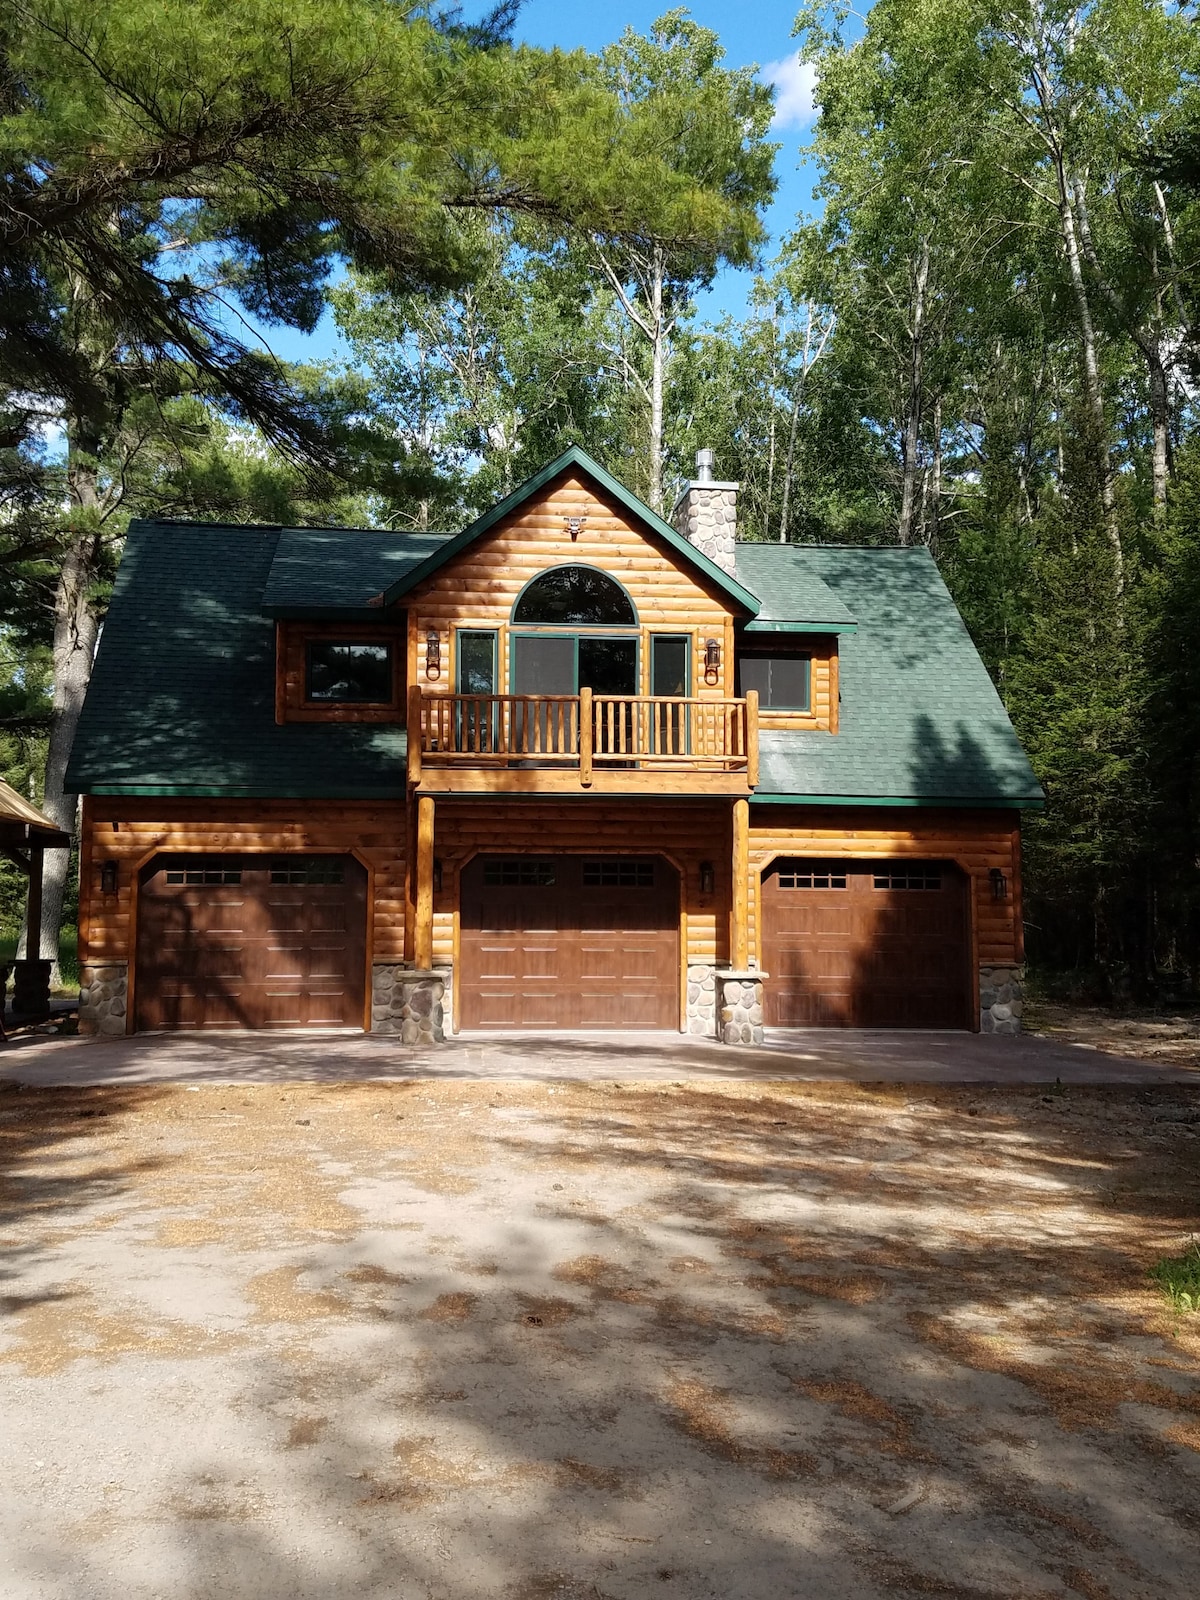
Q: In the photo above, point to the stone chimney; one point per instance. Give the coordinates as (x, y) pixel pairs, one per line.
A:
(706, 514)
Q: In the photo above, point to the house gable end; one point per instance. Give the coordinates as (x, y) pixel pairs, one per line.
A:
(580, 474)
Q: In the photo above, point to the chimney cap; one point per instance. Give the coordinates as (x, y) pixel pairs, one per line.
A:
(704, 466)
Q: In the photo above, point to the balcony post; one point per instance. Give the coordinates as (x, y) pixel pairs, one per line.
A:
(415, 735)
(585, 738)
(423, 939)
(752, 738)
(739, 921)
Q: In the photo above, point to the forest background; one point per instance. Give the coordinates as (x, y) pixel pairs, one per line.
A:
(986, 342)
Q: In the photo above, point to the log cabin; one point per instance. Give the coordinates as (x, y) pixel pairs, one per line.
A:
(576, 766)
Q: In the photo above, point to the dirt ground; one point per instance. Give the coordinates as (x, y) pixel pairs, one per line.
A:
(1160, 1035)
(596, 1341)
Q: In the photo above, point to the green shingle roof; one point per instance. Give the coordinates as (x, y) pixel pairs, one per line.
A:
(795, 598)
(182, 698)
(319, 569)
(182, 695)
(920, 720)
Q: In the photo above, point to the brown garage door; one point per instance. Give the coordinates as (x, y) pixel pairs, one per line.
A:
(251, 942)
(569, 942)
(857, 944)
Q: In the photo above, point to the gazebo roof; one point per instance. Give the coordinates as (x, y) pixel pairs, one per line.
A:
(23, 824)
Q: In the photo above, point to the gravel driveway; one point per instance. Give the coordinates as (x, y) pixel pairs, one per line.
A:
(596, 1341)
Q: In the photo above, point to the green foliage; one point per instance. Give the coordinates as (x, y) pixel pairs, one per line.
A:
(1179, 1278)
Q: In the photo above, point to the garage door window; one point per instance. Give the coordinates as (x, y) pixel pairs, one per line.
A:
(910, 878)
(320, 869)
(813, 879)
(203, 875)
(519, 873)
(618, 874)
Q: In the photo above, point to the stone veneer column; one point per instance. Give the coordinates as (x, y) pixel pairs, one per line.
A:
(103, 998)
(409, 1001)
(702, 1002)
(1001, 999)
(740, 1010)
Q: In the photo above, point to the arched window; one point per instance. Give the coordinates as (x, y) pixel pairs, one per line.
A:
(575, 596)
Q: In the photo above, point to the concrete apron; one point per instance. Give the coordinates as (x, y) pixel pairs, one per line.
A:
(347, 1056)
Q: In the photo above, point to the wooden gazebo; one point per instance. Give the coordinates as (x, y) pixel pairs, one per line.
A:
(25, 835)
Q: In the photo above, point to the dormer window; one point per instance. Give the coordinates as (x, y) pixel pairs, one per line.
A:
(784, 682)
(344, 672)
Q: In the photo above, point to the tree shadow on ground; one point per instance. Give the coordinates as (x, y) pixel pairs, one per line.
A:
(608, 1341)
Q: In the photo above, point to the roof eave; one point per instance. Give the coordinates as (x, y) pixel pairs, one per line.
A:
(575, 457)
(970, 802)
(759, 625)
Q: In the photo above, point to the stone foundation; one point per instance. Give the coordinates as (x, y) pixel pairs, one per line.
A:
(740, 1018)
(409, 1002)
(1001, 999)
(702, 1002)
(103, 994)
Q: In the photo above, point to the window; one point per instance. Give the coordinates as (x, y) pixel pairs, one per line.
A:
(618, 874)
(783, 682)
(910, 878)
(521, 871)
(310, 869)
(476, 662)
(204, 875)
(545, 663)
(670, 657)
(816, 877)
(347, 673)
(575, 596)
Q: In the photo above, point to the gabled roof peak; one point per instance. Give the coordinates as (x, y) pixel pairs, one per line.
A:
(575, 456)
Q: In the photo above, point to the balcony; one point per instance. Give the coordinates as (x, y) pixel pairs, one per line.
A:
(595, 743)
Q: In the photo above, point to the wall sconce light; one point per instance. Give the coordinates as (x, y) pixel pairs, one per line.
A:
(712, 661)
(433, 654)
(999, 884)
(108, 877)
(708, 878)
(437, 877)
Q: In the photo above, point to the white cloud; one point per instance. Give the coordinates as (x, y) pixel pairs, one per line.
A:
(794, 82)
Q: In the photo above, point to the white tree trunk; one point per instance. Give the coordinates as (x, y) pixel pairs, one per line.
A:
(1091, 375)
(910, 438)
(658, 366)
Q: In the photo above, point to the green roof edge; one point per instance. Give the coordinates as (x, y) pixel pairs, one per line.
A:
(973, 802)
(573, 456)
(397, 792)
(801, 627)
(243, 791)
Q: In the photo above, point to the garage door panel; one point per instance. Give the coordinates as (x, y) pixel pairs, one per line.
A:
(592, 943)
(854, 944)
(249, 942)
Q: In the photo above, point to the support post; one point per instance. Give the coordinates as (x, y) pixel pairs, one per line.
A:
(31, 976)
(739, 932)
(585, 737)
(752, 738)
(423, 940)
(33, 904)
(414, 734)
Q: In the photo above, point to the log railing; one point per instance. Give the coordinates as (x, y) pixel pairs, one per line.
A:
(583, 732)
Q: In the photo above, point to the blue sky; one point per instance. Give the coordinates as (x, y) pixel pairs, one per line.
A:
(752, 32)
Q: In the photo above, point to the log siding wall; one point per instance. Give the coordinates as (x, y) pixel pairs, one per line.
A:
(131, 831)
(479, 588)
